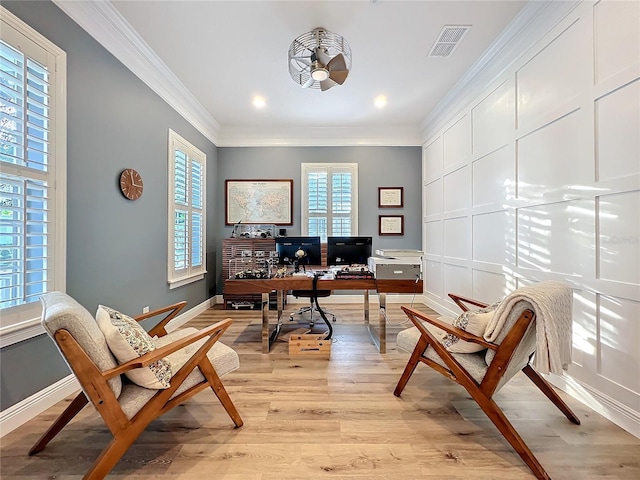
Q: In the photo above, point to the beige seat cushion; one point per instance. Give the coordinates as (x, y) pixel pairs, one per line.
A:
(474, 363)
(223, 358)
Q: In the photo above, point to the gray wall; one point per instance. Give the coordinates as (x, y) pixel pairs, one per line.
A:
(116, 249)
(377, 167)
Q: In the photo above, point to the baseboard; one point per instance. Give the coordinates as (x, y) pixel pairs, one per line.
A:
(609, 408)
(30, 407)
(346, 299)
(191, 314)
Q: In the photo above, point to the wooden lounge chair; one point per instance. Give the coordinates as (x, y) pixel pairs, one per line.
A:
(197, 362)
(482, 373)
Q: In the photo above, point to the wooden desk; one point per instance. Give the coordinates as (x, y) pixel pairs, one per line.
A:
(282, 285)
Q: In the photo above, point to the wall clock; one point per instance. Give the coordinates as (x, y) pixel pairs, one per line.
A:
(131, 184)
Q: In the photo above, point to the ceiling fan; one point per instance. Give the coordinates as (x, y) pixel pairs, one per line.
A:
(319, 59)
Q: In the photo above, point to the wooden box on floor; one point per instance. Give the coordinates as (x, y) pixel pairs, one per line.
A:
(309, 344)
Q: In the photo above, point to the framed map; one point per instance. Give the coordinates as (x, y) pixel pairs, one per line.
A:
(259, 201)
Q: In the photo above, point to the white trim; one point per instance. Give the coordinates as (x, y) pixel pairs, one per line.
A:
(392, 298)
(403, 298)
(190, 314)
(185, 281)
(104, 23)
(329, 169)
(193, 155)
(388, 136)
(20, 413)
(21, 331)
(520, 36)
(608, 407)
(29, 328)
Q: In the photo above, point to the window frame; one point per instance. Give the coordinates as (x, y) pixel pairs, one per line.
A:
(329, 168)
(23, 321)
(178, 278)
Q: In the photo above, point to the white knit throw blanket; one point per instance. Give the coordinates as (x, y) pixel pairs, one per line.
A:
(552, 304)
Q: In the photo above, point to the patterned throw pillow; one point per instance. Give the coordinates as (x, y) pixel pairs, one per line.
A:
(474, 322)
(128, 340)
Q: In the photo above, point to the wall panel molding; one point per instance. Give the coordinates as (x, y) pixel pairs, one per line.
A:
(559, 200)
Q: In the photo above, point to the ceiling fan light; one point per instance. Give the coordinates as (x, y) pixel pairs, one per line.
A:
(320, 74)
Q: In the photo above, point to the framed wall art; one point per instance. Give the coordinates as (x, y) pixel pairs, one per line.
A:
(390, 197)
(259, 201)
(390, 225)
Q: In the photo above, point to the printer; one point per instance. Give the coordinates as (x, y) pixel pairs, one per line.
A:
(401, 267)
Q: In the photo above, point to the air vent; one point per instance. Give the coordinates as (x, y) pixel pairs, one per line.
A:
(448, 40)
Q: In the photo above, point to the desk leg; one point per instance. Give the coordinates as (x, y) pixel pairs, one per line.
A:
(366, 308)
(265, 323)
(280, 303)
(379, 338)
(382, 317)
(269, 337)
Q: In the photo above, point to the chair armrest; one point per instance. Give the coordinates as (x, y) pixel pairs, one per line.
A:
(460, 301)
(159, 329)
(415, 316)
(145, 360)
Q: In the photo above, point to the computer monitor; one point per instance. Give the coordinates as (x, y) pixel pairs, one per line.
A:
(348, 250)
(288, 246)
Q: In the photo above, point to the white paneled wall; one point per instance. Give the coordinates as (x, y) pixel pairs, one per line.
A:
(538, 177)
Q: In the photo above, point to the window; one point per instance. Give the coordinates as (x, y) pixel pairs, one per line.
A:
(32, 176)
(187, 204)
(329, 199)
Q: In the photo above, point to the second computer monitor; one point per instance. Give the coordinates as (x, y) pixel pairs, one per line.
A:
(288, 246)
(348, 250)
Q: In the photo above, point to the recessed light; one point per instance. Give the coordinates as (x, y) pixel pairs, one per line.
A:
(259, 102)
(380, 101)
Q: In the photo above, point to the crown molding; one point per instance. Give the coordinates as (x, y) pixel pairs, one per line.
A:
(109, 28)
(104, 23)
(319, 136)
(534, 20)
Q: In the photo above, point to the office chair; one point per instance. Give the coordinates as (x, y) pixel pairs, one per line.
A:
(313, 296)
(311, 308)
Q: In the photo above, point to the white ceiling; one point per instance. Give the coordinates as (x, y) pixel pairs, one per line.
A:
(226, 52)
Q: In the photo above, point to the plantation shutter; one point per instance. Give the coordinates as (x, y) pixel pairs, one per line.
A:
(329, 199)
(32, 169)
(187, 212)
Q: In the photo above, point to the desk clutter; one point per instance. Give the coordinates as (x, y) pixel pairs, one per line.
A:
(248, 264)
(258, 257)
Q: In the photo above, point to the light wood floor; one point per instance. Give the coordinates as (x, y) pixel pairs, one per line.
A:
(313, 418)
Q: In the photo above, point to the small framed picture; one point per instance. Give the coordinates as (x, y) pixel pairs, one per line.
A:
(390, 224)
(390, 197)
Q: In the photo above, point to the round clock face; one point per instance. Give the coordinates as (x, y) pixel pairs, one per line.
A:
(131, 184)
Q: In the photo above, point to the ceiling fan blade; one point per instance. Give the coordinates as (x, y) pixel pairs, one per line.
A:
(322, 56)
(326, 84)
(309, 82)
(337, 63)
(338, 76)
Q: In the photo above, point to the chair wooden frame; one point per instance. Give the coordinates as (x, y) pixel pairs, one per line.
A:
(125, 431)
(482, 393)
